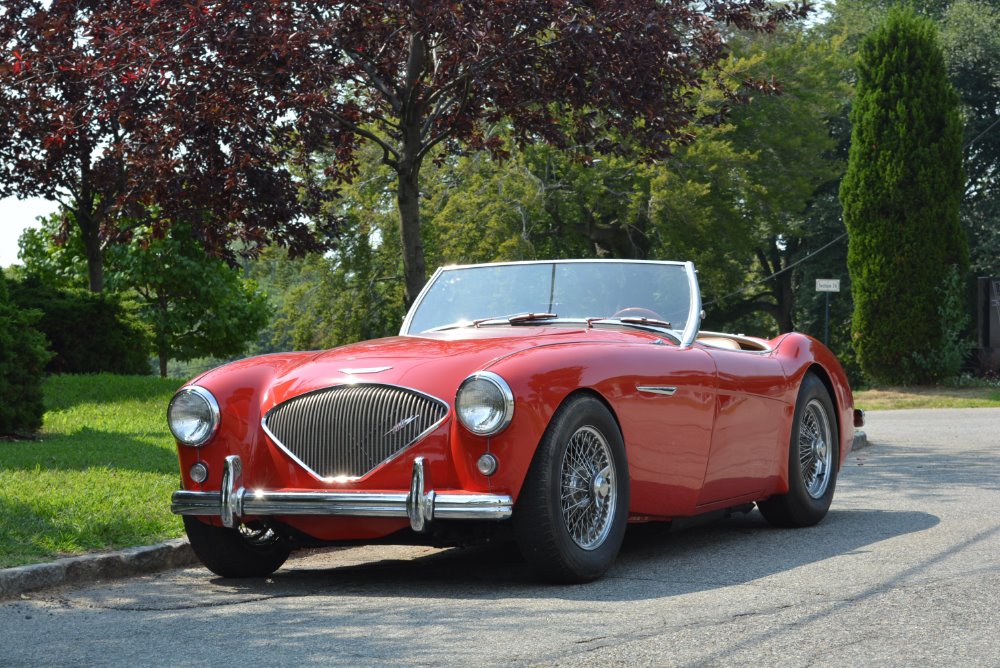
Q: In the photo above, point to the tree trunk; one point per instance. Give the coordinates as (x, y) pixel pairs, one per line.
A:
(408, 171)
(408, 200)
(160, 334)
(786, 302)
(90, 233)
(781, 285)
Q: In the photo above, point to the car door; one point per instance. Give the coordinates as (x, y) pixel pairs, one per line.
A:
(666, 405)
(749, 439)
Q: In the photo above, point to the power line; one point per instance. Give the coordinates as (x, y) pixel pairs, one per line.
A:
(779, 272)
(825, 246)
(980, 135)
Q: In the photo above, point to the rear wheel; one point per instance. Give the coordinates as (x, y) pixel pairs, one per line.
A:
(249, 551)
(571, 514)
(813, 456)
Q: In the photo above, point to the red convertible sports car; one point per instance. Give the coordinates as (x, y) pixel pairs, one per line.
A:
(557, 400)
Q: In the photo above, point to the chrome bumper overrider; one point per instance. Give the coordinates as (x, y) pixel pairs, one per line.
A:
(233, 501)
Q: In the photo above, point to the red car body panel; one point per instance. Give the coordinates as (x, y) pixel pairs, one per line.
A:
(719, 440)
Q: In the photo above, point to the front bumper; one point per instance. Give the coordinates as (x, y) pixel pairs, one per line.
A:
(233, 501)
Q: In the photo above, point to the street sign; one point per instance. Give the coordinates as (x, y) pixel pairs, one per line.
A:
(827, 285)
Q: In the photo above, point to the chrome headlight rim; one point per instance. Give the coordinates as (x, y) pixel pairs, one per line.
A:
(506, 395)
(214, 415)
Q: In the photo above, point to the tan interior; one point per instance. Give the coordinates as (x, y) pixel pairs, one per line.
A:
(719, 342)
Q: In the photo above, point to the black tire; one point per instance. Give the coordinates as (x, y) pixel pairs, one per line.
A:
(813, 460)
(584, 434)
(247, 552)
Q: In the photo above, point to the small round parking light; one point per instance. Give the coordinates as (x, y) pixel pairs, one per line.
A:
(199, 473)
(487, 464)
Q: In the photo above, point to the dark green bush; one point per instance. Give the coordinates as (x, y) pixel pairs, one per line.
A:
(87, 332)
(22, 363)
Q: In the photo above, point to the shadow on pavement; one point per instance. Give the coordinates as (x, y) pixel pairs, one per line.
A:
(663, 563)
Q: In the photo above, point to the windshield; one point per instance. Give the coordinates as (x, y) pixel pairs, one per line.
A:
(573, 290)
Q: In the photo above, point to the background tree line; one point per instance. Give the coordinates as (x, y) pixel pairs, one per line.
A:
(213, 157)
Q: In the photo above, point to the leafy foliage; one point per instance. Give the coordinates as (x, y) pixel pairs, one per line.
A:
(197, 105)
(53, 254)
(969, 35)
(88, 333)
(190, 304)
(945, 361)
(901, 197)
(744, 185)
(970, 38)
(195, 305)
(787, 146)
(350, 294)
(22, 359)
(123, 104)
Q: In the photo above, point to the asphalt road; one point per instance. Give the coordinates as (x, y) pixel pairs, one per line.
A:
(904, 571)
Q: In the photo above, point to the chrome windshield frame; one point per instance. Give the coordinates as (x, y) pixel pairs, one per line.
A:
(687, 337)
(694, 309)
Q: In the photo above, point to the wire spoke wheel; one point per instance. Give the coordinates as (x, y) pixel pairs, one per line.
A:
(570, 517)
(813, 458)
(587, 488)
(258, 534)
(815, 453)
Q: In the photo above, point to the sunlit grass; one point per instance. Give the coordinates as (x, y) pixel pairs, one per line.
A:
(99, 477)
(927, 397)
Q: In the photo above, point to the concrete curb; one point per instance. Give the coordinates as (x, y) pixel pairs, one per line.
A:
(93, 567)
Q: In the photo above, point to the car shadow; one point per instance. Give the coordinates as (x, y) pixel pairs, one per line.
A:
(656, 561)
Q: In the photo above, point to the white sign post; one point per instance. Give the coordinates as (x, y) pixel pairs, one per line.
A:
(826, 286)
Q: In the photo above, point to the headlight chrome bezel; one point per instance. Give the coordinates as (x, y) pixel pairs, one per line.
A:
(504, 395)
(213, 415)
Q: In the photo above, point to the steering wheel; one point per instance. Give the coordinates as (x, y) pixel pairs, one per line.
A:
(637, 312)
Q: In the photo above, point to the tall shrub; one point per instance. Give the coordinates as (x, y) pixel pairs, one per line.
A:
(22, 364)
(88, 333)
(901, 197)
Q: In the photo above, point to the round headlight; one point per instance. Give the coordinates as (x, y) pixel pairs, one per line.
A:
(484, 403)
(193, 416)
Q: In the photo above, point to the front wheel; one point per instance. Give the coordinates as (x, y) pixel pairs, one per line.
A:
(813, 456)
(571, 514)
(248, 551)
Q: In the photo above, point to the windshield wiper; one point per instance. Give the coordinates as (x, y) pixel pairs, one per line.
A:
(516, 319)
(645, 322)
(522, 318)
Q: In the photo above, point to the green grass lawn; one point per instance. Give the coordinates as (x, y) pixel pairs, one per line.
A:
(927, 397)
(101, 475)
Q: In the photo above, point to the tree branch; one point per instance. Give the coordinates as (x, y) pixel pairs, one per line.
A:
(387, 150)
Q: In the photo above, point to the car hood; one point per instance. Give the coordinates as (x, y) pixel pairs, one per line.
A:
(434, 363)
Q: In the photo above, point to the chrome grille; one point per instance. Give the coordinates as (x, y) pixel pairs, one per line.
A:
(348, 430)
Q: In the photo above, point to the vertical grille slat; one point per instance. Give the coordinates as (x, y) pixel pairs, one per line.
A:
(349, 430)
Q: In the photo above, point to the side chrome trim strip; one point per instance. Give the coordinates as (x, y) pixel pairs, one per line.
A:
(421, 506)
(653, 389)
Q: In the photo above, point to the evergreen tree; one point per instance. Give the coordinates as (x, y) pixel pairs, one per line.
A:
(901, 197)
